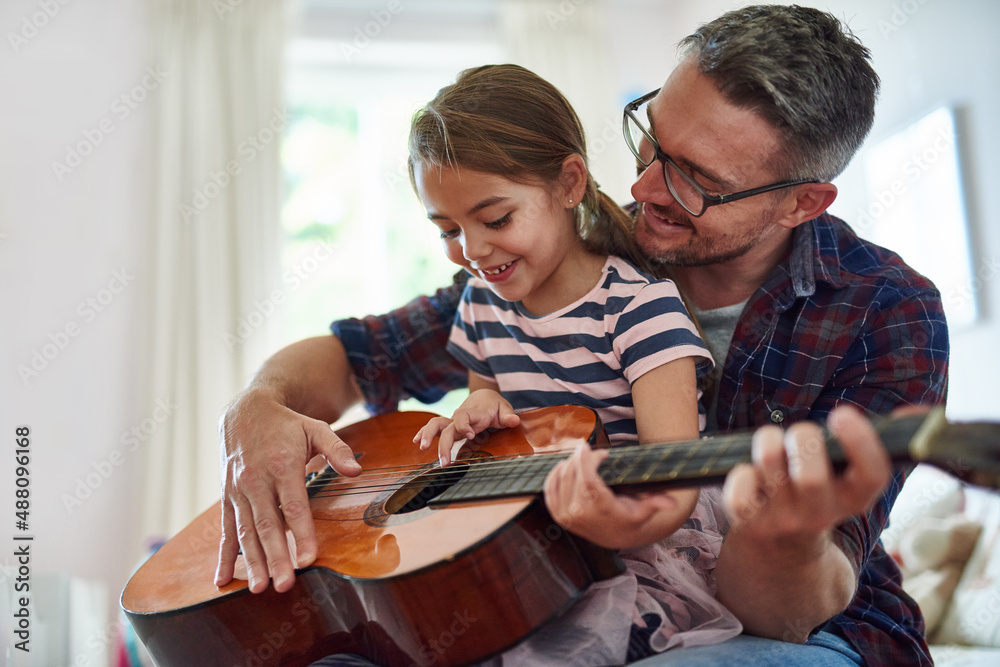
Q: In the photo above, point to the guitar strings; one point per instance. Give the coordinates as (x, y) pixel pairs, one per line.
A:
(514, 467)
(622, 455)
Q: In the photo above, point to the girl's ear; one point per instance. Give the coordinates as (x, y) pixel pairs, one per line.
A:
(572, 181)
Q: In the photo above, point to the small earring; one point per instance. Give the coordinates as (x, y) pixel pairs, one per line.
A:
(570, 201)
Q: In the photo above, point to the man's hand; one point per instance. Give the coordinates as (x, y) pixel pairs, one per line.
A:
(779, 570)
(265, 448)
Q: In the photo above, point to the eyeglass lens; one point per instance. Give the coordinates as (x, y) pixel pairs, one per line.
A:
(680, 187)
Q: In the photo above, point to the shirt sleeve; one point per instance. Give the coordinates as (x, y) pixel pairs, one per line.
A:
(900, 358)
(402, 353)
(654, 329)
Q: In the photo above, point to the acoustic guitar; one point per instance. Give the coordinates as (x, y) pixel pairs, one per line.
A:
(425, 566)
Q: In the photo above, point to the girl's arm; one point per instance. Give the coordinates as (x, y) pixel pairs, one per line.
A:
(666, 409)
(484, 408)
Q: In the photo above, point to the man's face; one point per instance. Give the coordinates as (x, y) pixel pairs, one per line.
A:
(725, 149)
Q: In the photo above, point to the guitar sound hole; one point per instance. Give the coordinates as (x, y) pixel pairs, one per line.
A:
(415, 494)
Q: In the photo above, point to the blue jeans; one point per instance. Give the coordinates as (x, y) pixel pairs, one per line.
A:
(822, 650)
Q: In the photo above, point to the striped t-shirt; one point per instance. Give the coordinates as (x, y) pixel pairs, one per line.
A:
(588, 353)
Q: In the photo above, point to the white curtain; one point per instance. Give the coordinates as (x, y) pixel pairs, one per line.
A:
(214, 234)
(565, 42)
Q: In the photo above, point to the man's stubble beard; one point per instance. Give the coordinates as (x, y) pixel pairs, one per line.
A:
(705, 250)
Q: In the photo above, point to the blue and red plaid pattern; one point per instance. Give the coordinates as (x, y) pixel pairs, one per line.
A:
(840, 320)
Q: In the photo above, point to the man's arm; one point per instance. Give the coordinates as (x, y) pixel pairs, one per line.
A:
(780, 569)
(269, 433)
(281, 421)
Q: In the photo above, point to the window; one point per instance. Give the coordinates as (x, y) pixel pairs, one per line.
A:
(916, 194)
(357, 239)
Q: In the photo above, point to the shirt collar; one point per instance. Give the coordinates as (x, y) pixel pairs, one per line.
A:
(815, 256)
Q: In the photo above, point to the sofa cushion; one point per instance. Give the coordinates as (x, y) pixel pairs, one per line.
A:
(973, 617)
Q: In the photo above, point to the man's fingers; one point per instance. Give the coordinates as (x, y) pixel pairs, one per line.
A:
(323, 440)
(229, 547)
(298, 518)
(295, 513)
(868, 465)
(741, 493)
(767, 451)
(808, 463)
(249, 536)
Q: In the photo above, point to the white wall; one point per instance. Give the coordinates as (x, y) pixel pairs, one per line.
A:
(61, 242)
(69, 366)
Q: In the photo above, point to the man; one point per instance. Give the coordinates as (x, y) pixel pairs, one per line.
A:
(736, 153)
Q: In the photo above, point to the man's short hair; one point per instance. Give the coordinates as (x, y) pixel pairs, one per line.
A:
(800, 69)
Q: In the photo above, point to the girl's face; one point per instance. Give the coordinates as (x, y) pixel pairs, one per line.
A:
(519, 238)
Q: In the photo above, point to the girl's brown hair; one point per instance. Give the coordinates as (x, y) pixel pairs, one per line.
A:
(506, 120)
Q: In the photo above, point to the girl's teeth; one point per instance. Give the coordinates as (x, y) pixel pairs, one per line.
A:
(494, 272)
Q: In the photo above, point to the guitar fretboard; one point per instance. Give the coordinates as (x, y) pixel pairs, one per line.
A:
(705, 461)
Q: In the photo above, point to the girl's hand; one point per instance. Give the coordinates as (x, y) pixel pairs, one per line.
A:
(580, 501)
(483, 409)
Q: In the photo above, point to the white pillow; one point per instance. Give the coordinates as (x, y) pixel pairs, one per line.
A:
(973, 617)
(928, 492)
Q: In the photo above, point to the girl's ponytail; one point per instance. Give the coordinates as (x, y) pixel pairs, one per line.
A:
(606, 228)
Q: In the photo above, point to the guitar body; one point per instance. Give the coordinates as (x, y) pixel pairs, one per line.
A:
(396, 581)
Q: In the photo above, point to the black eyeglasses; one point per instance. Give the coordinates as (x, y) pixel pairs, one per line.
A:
(691, 196)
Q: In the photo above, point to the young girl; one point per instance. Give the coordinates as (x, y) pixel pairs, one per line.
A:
(558, 309)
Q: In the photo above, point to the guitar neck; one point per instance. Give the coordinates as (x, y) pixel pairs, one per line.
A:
(686, 463)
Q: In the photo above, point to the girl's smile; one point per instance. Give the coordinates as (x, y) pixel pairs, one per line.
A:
(498, 273)
(519, 237)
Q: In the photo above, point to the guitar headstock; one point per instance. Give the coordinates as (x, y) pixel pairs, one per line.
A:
(967, 450)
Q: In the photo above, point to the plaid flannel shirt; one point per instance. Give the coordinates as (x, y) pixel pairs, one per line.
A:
(840, 320)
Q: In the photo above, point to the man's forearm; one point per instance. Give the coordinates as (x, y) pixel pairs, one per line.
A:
(783, 593)
(312, 377)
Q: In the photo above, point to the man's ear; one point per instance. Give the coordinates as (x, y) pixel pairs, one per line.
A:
(805, 202)
(573, 180)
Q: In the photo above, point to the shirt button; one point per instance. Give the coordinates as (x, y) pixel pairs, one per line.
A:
(777, 416)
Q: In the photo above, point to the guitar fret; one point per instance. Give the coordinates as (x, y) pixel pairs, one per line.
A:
(673, 473)
(495, 479)
(720, 452)
(526, 480)
(627, 473)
